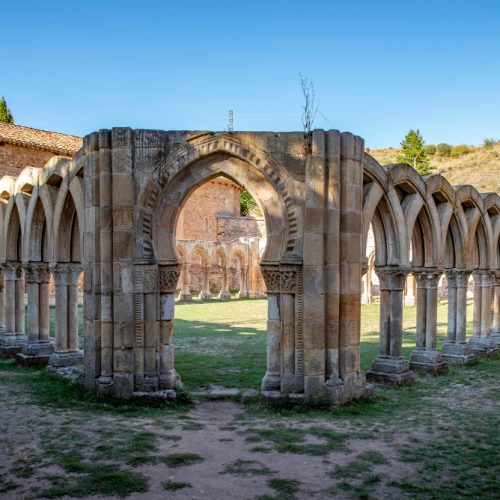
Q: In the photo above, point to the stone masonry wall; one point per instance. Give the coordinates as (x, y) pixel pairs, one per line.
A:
(230, 228)
(197, 220)
(13, 158)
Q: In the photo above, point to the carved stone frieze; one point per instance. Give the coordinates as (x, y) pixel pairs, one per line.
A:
(168, 278)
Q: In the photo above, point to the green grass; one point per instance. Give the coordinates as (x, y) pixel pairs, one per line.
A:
(175, 485)
(225, 342)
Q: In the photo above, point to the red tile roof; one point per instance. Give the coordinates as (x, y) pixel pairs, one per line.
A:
(61, 144)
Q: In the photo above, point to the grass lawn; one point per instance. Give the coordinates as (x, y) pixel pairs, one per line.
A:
(225, 342)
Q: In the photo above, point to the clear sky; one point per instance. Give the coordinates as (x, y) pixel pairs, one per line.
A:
(379, 67)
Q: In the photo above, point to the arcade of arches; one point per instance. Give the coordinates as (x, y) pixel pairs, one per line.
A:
(112, 211)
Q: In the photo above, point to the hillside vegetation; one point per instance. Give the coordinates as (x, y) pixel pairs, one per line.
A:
(479, 166)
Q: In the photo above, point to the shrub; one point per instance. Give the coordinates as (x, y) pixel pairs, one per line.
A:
(443, 149)
(488, 143)
(430, 149)
(461, 149)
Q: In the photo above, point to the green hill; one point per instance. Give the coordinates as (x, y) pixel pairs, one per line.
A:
(479, 167)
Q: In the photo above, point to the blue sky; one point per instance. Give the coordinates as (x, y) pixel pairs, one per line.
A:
(379, 67)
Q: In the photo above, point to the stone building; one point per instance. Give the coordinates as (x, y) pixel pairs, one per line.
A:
(112, 210)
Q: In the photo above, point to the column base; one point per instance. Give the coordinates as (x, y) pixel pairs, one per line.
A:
(427, 361)
(224, 295)
(35, 354)
(457, 352)
(342, 391)
(243, 295)
(11, 344)
(391, 370)
(271, 382)
(63, 359)
(104, 385)
(483, 346)
(169, 380)
(495, 337)
(205, 296)
(185, 296)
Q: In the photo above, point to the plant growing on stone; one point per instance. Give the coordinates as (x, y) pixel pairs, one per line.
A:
(309, 111)
(5, 114)
(413, 152)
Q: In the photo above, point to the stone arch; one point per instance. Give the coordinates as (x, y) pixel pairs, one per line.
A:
(382, 209)
(208, 157)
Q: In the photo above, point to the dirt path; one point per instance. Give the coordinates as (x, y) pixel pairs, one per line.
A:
(218, 450)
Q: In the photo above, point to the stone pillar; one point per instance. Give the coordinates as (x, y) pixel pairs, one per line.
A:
(389, 365)
(168, 276)
(409, 298)
(225, 294)
(14, 338)
(67, 351)
(495, 330)
(272, 379)
(425, 357)
(37, 350)
(456, 349)
(185, 293)
(2, 311)
(205, 287)
(243, 293)
(366, 297)
(481, 342)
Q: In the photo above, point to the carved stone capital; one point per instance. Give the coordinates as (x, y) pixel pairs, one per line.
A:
(168, 278)
(391, 279)
(428, 278)
(458, 278)
(483, 278)
(37, 272)
(280, 278)
(272, 277)
(150, 279)
(65, 273)
(13, 271)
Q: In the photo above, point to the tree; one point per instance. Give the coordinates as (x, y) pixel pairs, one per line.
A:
(5, 114)
(414, 153)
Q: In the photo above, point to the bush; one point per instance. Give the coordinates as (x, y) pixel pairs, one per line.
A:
(430, 149)
(488, 143)
(461, 149)
(443, 149)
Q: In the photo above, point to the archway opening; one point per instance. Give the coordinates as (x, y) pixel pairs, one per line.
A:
(221, 306)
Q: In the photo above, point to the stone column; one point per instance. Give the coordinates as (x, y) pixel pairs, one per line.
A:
(14, 338)
(2, 311)
(425, 357)
(456, 349)
(495, 330)
(389, 365)
(243, 293)
(481, 343)
(225, 294)
(272, 379)
(409, 299)
(205, 288)
(185, 293)
(167, 282)
(38, 348)
(66, 351)
(366, 298)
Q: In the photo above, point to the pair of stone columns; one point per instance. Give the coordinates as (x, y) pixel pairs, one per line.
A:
(481, 341)
(13, 337)
(38, 347)
(495, 331)
(67, 352)
(456, 349)
(425, 357)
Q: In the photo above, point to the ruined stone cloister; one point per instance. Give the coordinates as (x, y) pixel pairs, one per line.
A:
(111, 211)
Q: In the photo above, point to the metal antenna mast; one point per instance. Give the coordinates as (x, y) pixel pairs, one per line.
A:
(230, 121)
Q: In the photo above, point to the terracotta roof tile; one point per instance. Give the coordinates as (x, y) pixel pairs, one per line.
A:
(62, 144)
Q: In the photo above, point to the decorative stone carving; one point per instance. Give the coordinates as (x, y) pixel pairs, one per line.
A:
(391, 279)
(168, 278)
(272, 278)
(428, 279)
(150, 279)
(280, 278)
(288, 279)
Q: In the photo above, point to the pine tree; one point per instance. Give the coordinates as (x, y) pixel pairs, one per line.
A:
(414, 152)
(5, 114)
